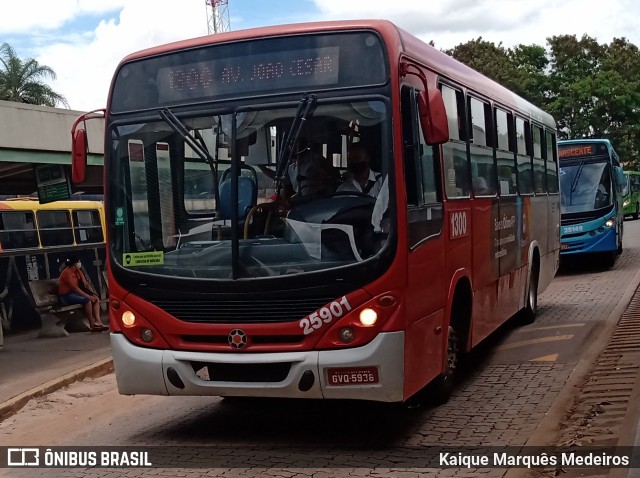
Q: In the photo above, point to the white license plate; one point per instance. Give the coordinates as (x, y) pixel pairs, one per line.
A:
(352, 375)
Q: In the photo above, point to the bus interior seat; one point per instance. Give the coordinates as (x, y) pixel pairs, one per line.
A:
(247, 193)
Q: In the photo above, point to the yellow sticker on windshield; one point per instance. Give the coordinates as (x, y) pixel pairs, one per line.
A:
(132, 259)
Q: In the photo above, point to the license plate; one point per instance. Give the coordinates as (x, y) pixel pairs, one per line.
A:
(352, 375)
(564, 247)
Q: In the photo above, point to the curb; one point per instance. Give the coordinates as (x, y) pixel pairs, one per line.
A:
(13, 405)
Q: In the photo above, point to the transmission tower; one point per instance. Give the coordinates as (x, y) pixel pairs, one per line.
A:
(218, 16)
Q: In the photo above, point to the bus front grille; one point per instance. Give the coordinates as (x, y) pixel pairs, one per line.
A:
(232, 311)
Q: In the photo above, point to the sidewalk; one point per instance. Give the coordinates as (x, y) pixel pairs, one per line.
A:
(32, 366)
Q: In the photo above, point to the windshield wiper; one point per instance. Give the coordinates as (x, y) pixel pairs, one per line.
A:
(574, 183)
(305, 109)
(199, 148)
(196, 144)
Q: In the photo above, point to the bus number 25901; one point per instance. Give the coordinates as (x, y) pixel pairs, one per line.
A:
(325, 315)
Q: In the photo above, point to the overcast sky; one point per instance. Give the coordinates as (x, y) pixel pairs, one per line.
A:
(83, 40)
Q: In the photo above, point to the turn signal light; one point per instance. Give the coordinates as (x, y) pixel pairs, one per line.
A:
(347, 334)
(146, 335)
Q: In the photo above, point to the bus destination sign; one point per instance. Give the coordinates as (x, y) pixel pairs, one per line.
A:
(278, 70)
(259, 67)
(584, 150)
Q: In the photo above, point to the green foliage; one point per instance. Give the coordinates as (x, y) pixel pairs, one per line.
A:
(23, 80)
(592, 90)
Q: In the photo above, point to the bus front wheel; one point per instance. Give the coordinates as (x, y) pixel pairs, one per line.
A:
(636, 214)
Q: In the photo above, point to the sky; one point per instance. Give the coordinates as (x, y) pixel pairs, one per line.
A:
(84, 40)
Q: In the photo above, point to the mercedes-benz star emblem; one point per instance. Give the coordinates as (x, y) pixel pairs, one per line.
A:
(237, 339)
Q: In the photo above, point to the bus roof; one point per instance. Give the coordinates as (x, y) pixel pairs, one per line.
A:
(398, 42)
(585, 141)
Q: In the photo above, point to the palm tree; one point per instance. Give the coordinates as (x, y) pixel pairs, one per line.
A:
(22, 80)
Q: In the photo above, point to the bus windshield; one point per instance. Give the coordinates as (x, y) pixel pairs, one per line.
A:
(247, 194)
(585, 187)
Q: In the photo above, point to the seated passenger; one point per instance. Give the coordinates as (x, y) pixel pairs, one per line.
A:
(360, 178)
(73, 288)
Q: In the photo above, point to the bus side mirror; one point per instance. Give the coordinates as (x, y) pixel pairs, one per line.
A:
(433, 117)
(78, 156)
(620, 180)
(80, 145)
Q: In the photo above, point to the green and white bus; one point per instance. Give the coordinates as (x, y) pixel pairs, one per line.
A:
(631, 194)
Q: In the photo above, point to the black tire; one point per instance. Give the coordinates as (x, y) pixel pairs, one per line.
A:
(636, 214)
(528, 314)
(441, 388)
(610, 259)
(619, 250)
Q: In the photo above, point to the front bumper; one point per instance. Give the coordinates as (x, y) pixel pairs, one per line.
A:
(147, 371)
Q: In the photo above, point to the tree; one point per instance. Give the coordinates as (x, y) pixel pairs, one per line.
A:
(596, 91)
(521, 69)
(23, 80)
(592, 90)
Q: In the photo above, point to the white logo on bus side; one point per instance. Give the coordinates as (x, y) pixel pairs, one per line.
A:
(325, 315)
(458, 224)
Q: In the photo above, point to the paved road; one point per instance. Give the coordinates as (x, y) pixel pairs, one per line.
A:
(519, 381)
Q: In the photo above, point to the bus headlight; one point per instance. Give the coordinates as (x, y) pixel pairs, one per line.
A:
(368, 317)
(128, 319)
(609, 223)
(626, 203)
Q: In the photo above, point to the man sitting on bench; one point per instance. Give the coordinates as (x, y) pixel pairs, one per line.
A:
(73, 289)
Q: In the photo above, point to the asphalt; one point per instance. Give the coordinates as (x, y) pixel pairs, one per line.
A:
(31, 366)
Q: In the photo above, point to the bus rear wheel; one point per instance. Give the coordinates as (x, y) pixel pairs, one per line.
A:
(528, 314)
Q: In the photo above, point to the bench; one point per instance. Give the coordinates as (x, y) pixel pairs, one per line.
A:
(56, 318)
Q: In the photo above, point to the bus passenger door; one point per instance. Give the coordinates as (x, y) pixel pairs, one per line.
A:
(425, 295)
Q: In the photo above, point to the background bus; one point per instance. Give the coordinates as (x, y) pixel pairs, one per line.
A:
(631, 194)
(591, 184)
(35, 239)
(324, 294)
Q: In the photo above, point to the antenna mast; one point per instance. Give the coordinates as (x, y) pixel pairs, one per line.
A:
(218, 16)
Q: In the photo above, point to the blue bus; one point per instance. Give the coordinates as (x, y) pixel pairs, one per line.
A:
(591, 192)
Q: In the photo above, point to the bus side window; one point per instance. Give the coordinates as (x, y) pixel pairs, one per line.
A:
(454, 152)
(87, 227)
(55, 228)
(483, 169)
(552, 162)
(539, 169)
(505, 146)
(17, 230)
(424, 197)
(523, 149)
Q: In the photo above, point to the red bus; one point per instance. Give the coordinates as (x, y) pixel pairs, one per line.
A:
(229, 275)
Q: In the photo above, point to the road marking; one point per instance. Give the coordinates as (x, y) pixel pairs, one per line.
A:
(549, 327)
(546, 358)
(524, 343)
